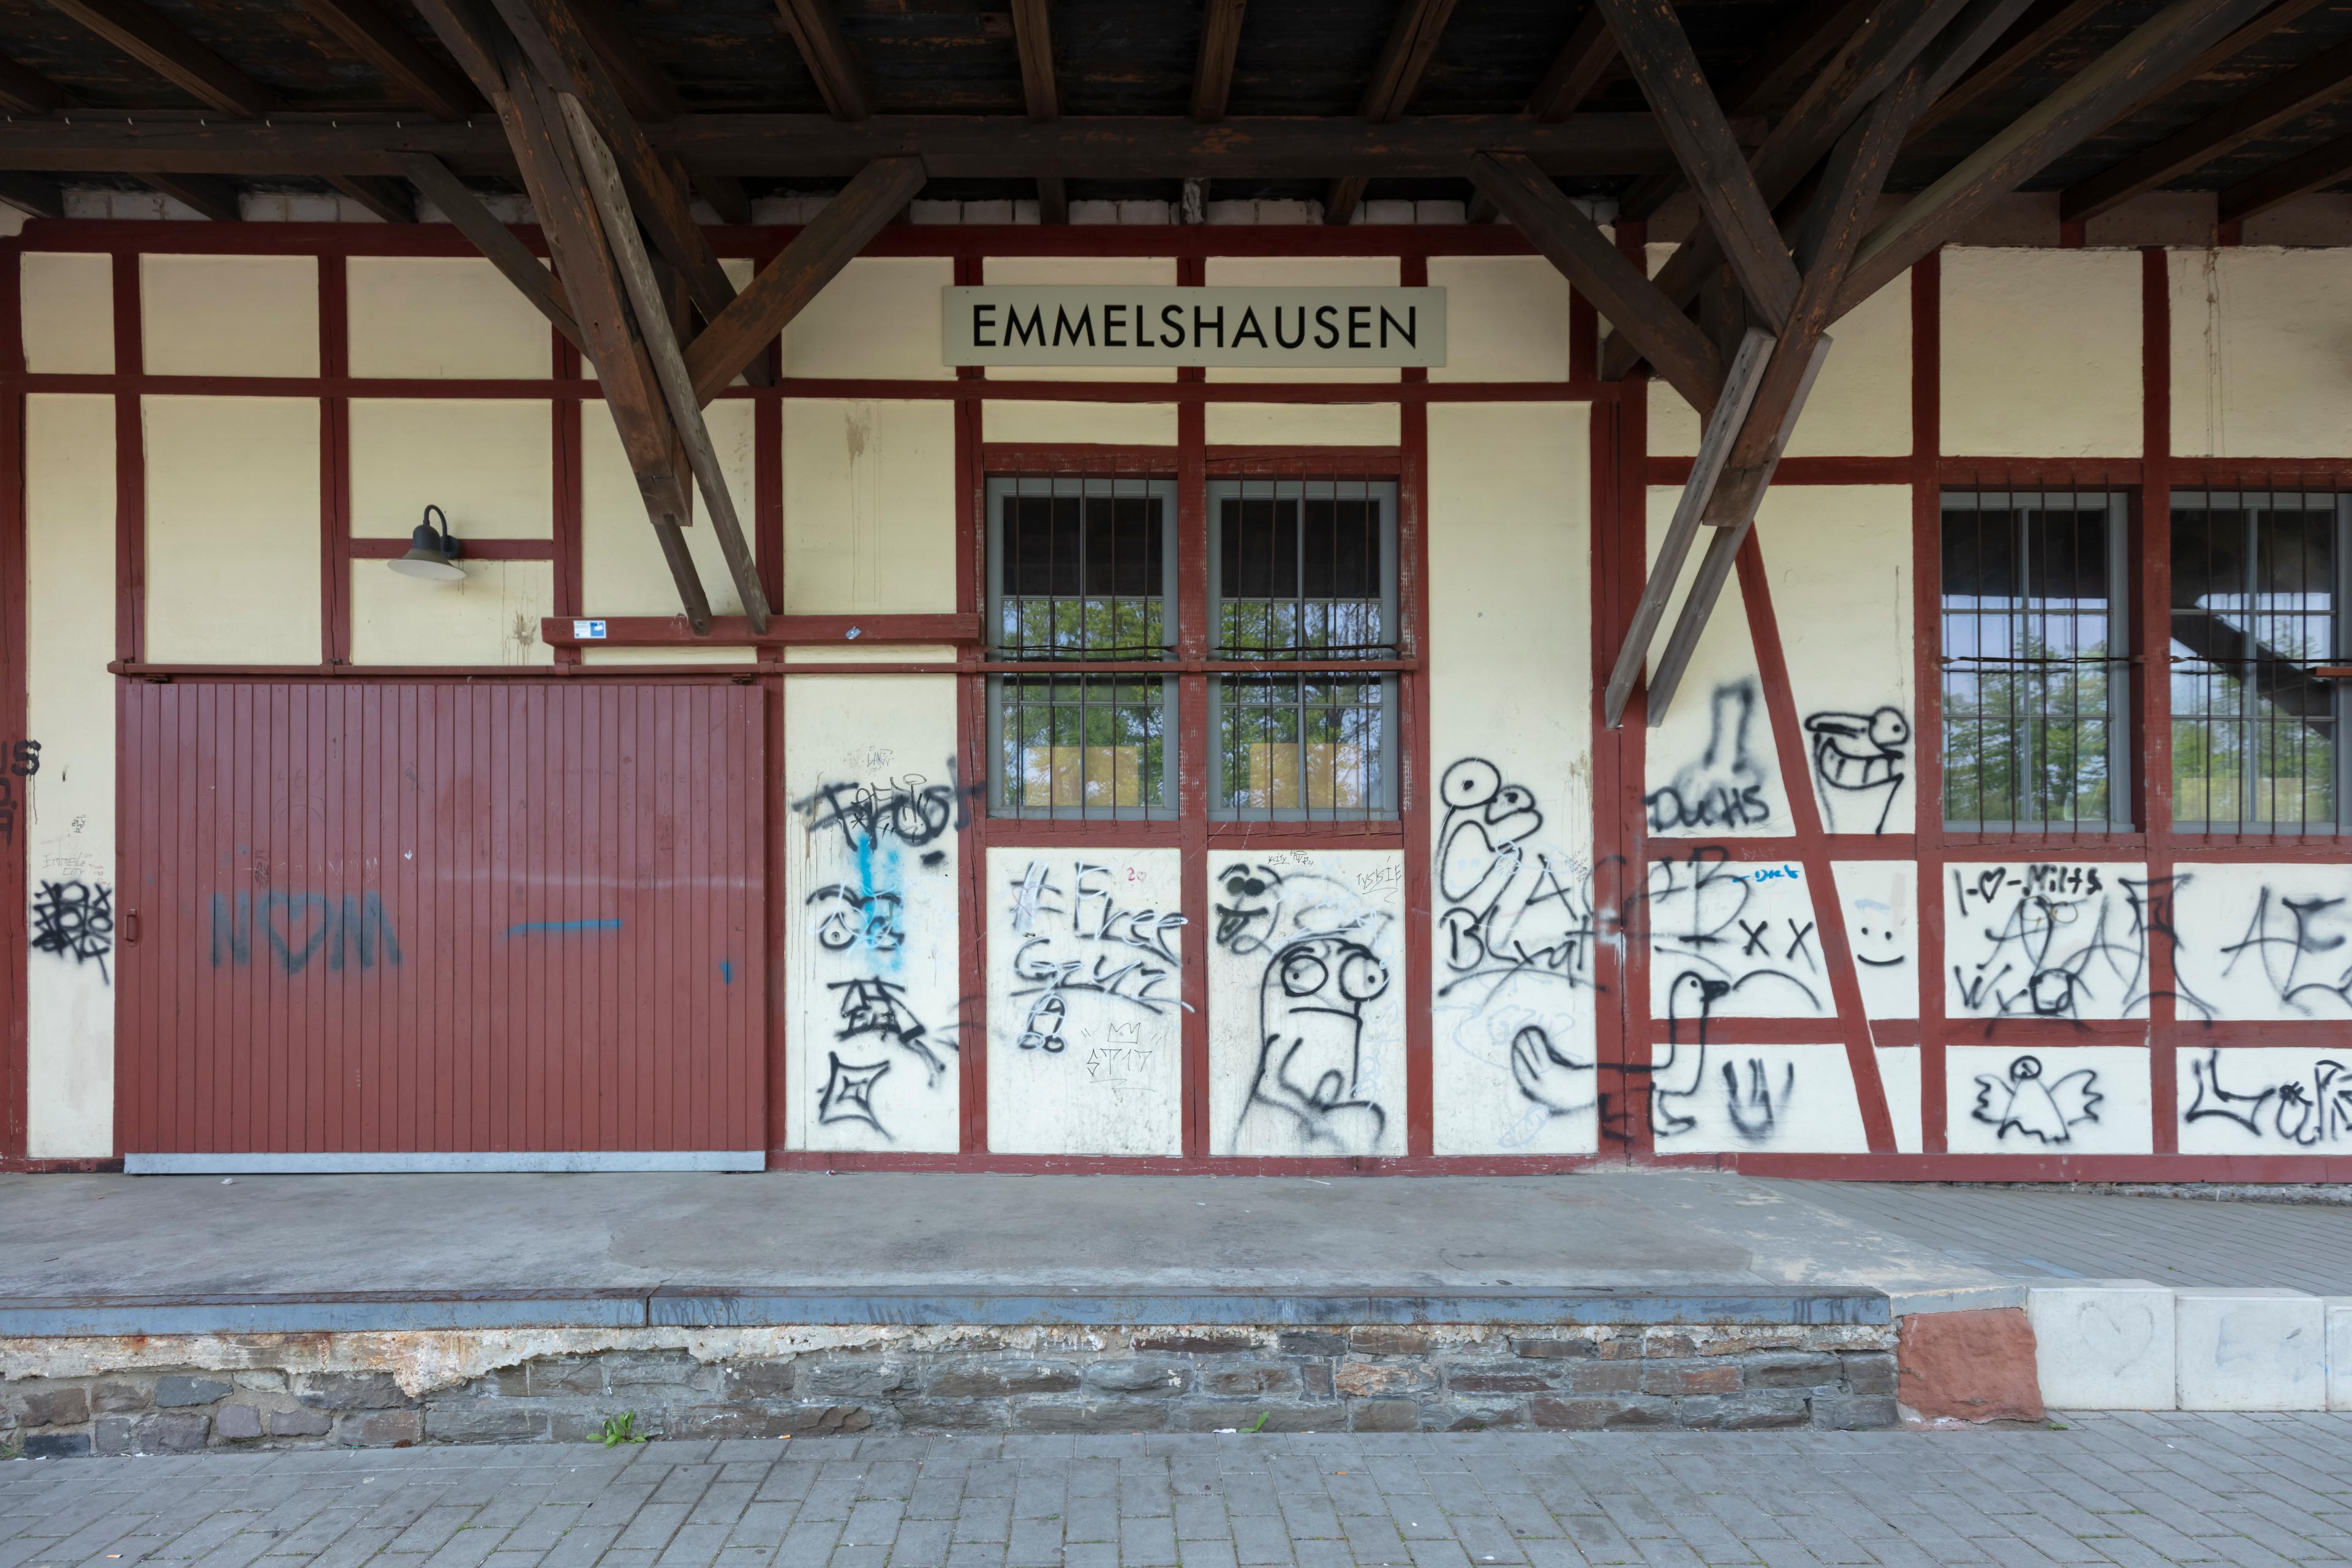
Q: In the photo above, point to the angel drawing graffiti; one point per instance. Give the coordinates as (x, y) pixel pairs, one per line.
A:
(2022, 1100)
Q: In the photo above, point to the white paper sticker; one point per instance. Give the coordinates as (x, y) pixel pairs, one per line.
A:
(588, 630)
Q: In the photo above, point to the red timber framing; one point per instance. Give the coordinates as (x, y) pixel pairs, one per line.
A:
(1622, 474)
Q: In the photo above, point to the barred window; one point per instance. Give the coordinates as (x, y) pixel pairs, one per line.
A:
(2258, 596)
(1082, 570)
(1303, 571)
(2036, 688)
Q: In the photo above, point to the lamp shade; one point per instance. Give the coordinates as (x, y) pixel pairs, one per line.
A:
(432, 551)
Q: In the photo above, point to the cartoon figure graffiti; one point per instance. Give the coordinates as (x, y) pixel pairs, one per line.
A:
(1724, 789)
(1858, 759)
(2022, 1101)
(1310, 1055)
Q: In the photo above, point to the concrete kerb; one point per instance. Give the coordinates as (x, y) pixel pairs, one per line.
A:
(2133, 1344)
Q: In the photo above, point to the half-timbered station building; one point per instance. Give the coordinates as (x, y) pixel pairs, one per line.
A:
(1395, 586)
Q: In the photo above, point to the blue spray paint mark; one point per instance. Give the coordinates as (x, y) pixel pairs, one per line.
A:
(726, 972)
(532, 928)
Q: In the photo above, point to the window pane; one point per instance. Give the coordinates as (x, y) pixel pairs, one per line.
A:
(2254, 603)
(1303, 746)
(2031, 685)
(1082, 572)
(1304, 568)
(1084, 745)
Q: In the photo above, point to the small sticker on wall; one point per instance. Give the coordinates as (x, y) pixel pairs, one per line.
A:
(588, 631)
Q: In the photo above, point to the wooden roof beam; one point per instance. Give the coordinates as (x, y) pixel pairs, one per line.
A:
(2080, 108)
(2024, 42)
(565, 57)
(1395, 79)
(785, 285)
(1213, 70)
(816, 32)
(496, 243)
(575, 235)
(1583, 63)
(2330, 164)
(1654, 48)
(644, 91)
(1593, 265)
(2315, 84)
(387, 199)
(24, 90)
(376, 36)
(165, 48)
(1032, 37)
(215, 198)
(472, 38)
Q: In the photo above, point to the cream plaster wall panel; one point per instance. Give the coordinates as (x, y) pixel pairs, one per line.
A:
(1306, 1002)
(858, 653)
(69, 312)
(491, 617)
(1303, 424)
(1879, 902)
(1838, 559)
(872, 957)
(2047, 1100)
(2263, 941)
(2042, 354)
(66, 811)
(1712, 770)
(1116, 424)
(623, 572)
(2259, 352)
(869, 506)
(1861, 403)
(2044, 940)
(878, 319)
(1506, 318)
(1509, 519)
(1143, 271)
(232, 530)
(1735, 940)
(2265, 1100)
(713, 652)
(489, 464)
(1674, 424)
(437, 316)
(1085, 954)
(1782, 1100)
(229, 315)
(1898, 1074)
(1299, 272)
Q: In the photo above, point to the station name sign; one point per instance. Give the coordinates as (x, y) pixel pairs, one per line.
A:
(1304, 329)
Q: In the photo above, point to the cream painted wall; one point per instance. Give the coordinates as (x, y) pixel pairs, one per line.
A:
(67, 810)
(232, 530)
(1302, 425)
(1139, 270)
(2260, 347)
(69, 312)
(1506, 318)
(229, 315)
(2041, 354)
(1509, 597)
(2048, 1099)
(623, 571)
(1296, 273)
(869, 506)
(1838, 559)
(881, 317)
(435, 316)
(1861, 403)
(1115, 424)
(491, 617)
(1775, 1099)
(873, 886)
(489, 464)
(1711, 770)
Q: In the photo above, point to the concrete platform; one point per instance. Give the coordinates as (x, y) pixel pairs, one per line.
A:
(115, 1255)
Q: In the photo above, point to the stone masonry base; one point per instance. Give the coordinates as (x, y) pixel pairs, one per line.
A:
(159, 1394)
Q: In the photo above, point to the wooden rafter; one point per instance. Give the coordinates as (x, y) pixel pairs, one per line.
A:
(164, 48)
(214, 197)
(669, 365)
(1032, 37)
(583, 259)
(646, 92)
(371, 32)
(1583, 63)
(2150, 53)
(1574, 244)
(470, 34)
(36, 195)
(1395, 79)
(1655, 50)
(817, 33)
(952, 147)
(2047, 22)
(785, 285)
(2314, 84)
(24, 90)
(496, 243)
(2283, 14)
(387, 199)
(2328, 163)
(1897, 33)
(1213, 70)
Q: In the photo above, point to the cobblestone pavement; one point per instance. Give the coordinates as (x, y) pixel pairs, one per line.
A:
(2251, 1491)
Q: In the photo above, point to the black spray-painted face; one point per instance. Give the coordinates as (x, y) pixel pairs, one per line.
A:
(1878, 940)
(1311, 1013)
